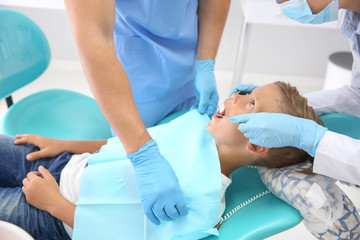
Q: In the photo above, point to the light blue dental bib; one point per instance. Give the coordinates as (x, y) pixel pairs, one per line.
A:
(109, 205)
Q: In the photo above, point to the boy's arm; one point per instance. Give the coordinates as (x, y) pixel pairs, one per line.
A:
(50, 147)
(64, 211)
(82, 146)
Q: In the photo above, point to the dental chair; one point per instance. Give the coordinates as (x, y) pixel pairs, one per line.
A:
(9, 231)
(259, 213)
(55, 113)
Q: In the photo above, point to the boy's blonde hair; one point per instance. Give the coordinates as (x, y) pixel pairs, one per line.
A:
(292, 103)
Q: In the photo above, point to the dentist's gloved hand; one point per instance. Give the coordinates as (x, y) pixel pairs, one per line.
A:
(205, 87)
(245, 88)
(159, 189)
(280, 130)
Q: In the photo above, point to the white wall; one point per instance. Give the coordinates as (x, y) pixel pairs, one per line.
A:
(282, 50)
(292, 51)
(55, 24)
(272, 50)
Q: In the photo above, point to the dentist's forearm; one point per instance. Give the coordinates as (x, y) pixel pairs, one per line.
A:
(212, 16)
(93, 23)
(110, 85)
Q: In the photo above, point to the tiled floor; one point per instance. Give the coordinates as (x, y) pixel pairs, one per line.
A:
(68, 75)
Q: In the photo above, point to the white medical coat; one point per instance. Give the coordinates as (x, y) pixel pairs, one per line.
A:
(338, 156)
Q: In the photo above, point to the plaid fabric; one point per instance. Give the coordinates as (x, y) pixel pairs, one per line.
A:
(346, 227)
(328, 213)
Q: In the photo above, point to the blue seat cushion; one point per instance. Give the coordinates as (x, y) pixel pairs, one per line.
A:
(57, 113)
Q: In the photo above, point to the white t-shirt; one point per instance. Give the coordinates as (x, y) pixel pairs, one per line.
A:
(70, 180)
(225, 182)
(71, 176)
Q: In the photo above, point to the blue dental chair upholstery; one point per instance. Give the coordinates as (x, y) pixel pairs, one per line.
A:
(342, 123)
(56, 113)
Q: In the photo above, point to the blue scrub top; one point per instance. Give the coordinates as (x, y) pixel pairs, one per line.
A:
(156, 42)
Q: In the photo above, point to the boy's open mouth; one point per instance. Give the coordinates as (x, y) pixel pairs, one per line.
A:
(220, 112)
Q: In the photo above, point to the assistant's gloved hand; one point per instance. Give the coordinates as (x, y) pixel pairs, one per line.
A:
(159, 189)
(205, 87)
(244, 88)
(280, 130)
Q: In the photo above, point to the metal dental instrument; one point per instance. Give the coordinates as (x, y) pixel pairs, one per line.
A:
(223, 116)
(221, 106)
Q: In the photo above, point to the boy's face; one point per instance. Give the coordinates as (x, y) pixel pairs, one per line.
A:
(262, 99)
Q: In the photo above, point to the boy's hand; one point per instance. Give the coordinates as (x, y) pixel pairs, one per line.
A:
(49, 147)
(41, 192)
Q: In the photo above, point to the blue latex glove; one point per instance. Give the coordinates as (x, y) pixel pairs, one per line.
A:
(205, 87)
(244, 88)
(280, 130)
(160, 193)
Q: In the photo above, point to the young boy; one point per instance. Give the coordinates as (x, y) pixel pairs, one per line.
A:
(32, 168)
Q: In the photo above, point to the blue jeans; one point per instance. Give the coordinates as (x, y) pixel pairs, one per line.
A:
(13, 205)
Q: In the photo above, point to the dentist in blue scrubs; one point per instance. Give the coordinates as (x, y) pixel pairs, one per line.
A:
(335, 155)
(145, 59)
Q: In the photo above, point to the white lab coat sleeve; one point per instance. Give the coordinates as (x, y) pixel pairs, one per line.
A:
(338, 156)
(342, 100)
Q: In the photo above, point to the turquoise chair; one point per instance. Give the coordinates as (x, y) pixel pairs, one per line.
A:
(342, 123)
(268, 215)
(56, 113)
